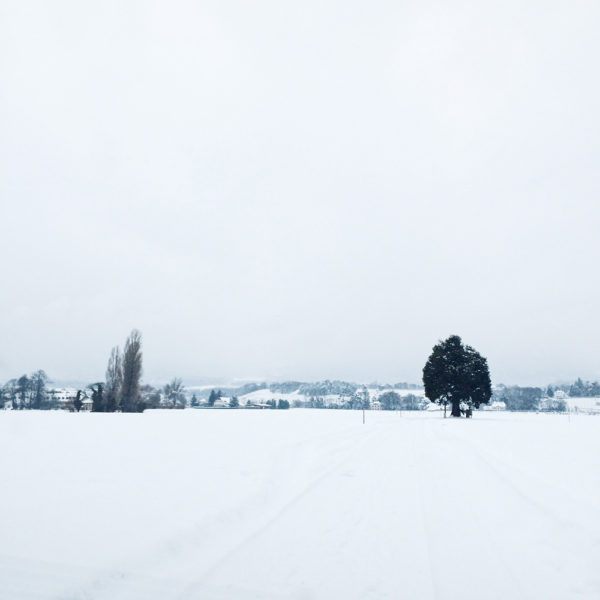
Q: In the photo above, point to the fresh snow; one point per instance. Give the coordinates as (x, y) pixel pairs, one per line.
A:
(298, 504)
(584, 404)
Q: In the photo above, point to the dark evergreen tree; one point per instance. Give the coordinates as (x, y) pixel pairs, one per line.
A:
(194, 403)
(577, 390)
(78, 402)
(98, 400)
(456, 374)
(283, 404)
(212, 398)
(234, 402)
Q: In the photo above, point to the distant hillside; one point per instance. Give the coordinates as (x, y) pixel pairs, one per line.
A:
(325, 393)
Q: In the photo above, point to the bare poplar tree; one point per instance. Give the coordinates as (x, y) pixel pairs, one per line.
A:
(132, 372)
(114, 381)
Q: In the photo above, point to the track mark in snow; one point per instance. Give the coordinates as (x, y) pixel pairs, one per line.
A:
(172, 560)
(194, 587)
(534, 528)
(424, 519)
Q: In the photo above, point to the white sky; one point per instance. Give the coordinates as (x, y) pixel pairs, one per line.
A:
(300, 190)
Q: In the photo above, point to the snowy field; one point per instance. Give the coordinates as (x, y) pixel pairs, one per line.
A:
(584, 404)
(298, 504)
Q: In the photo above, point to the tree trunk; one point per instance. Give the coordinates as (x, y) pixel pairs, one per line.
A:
(456, 409)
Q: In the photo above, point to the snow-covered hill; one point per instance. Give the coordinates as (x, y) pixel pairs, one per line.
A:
(297, 395)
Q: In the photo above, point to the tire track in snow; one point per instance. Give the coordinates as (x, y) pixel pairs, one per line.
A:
(482, 524)
(195, 587)
(132, 580)
(500, 470)
(538, 530)
(456, 545)
(423, 516)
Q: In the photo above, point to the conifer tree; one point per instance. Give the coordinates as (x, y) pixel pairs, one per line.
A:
(212, 398)
(456, 374)
(78, 402)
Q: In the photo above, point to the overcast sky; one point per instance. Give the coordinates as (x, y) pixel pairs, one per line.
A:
(307, 189)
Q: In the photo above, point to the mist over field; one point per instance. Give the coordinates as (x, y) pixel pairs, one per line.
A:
(305, 191)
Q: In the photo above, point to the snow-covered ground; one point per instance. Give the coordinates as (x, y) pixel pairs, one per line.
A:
(584, 404)
(298, 504)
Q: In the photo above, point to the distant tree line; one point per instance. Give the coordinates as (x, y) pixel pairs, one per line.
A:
(328, 388)
(234, 402)
(285, 387)
(121, 391)
(280, 404)
(518, 398)
(528, 398)
(584, 389)
(361, 400)
(27, 392)
(351, 395)
(394, 401)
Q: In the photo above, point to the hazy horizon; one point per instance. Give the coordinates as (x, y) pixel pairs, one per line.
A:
(192, 382)
(300, 191)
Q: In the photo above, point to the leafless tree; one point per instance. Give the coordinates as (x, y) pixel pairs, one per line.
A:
(9, 394)
(132, 373)
(114, 381)
(174, 393)
(38, 380)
